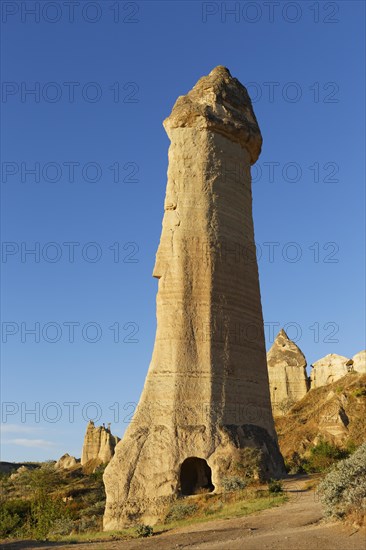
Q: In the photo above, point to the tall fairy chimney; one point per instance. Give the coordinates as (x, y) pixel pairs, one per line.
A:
(206, 393)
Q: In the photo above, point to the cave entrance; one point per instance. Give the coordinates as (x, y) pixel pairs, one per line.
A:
(195, 475)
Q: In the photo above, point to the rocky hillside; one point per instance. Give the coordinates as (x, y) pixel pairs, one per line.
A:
(335, 413)
(288, 379)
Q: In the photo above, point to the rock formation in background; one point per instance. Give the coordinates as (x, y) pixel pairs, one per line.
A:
(206, 393)
(98, 447)
(287, 372)
(288, 379)
(67, 462)
(328, 369)
(359, 362)
(19, 471)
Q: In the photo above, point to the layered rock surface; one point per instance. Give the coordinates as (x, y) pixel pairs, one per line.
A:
(328, 369)
(206, 393)
(288, 379)
(99, 445)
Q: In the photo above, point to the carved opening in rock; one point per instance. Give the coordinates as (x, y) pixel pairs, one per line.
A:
(195, 475)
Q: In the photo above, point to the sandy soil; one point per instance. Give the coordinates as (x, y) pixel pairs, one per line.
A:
(296, 525)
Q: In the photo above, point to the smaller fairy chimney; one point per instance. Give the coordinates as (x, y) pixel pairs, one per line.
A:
(288, 380)
(99, 444)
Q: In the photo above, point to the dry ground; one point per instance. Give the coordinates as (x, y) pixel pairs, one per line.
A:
(296, 525)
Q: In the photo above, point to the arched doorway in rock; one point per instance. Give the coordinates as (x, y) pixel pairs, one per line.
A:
(195, 475)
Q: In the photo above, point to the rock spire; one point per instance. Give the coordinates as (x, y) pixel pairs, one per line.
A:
(206, 394)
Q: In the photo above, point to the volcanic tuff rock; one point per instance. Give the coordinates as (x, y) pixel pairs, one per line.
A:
(359, 362)
(288, 380)
(218, 102)
(98, 446)
(67, 462)
(206, 393)
(329, 369)
(287, 371)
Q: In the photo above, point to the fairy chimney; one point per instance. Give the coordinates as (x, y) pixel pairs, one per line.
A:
(206, 393)
(98, 447)
(288, 380)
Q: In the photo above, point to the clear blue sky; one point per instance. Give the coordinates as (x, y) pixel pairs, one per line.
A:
(102, 90)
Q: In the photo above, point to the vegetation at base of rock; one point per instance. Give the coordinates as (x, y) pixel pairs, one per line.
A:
(181, 510)
(319, 458)
(233, 483)
(13, 514)
(143, 530)
(343, 490)
(75, 501)
(242, 467)
(219, 506)
(323, 455)
(36, 515)
(45, 502)
(275, 486)
(8, 523)
(209, 507)
(97, 475)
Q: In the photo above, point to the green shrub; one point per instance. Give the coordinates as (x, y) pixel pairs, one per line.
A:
(45, 511)
(62, 526)
(41, 480)
(44, 501)
(217, 507)
(95, 509)
(17, 506)
(13, 515)
(351, 447)
(343, 490)
(322, 456)
(246, 464)
(97, 475)
(90, 523)
(275, 486)
(181, 510)
(360, 392)
(233, 483)
(8, 523)
(295, 465)
(144, 530)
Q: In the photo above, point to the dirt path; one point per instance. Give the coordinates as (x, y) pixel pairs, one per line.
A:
(296, 525)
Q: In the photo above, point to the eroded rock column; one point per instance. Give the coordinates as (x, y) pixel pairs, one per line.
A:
(288, 380)
(206, 394)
